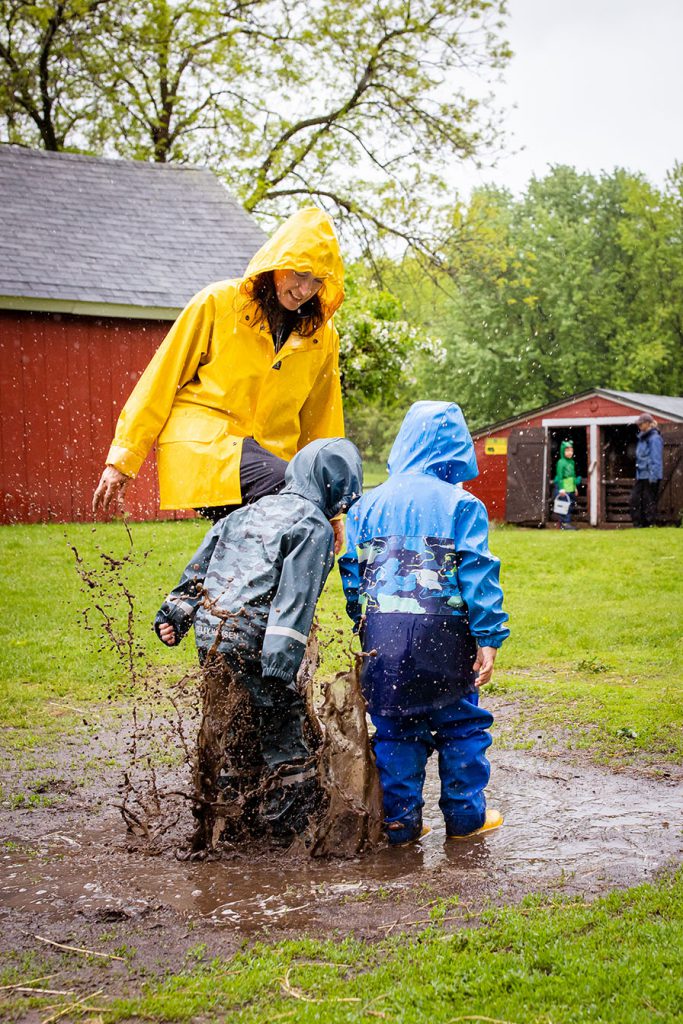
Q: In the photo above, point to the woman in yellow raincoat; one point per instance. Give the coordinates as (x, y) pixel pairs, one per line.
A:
(247, 375)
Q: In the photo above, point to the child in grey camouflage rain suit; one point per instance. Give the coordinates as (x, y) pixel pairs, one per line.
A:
(251, 591)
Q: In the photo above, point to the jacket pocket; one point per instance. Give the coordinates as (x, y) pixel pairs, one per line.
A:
(193, 427)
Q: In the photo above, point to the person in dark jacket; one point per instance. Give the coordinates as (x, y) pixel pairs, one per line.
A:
(422, 589)
(251, 591)
(649, 472)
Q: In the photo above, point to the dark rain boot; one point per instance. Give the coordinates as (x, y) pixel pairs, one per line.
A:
(292, 791)
(292, 797)
(239, 791)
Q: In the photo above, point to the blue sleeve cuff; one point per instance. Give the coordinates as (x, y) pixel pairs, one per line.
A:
(492, 641)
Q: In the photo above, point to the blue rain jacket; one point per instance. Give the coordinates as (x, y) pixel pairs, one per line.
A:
(252, 586)
(420, 582)
(650, 456)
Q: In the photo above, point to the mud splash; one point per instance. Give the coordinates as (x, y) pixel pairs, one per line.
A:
(206, 720)
(344, 792)
(352, 818)
(569, 831)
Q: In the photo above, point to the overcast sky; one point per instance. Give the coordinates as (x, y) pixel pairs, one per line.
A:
(597, 84)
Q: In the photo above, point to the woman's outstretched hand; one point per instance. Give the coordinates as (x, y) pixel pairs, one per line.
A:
(110, 491)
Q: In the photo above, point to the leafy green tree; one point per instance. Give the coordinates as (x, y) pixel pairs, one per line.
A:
(574, 285)
(649, 356)
(381, 358)
(360, 107)
(139, 80)
(45, 94)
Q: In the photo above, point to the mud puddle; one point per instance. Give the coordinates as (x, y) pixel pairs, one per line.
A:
(569, 830)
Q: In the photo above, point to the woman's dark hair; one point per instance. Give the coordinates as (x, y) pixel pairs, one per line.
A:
(308, 319)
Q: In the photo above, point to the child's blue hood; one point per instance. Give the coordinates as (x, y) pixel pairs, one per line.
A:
(328, 472)
(434, 439)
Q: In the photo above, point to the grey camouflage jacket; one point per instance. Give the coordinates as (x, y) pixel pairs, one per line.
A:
(252, 586)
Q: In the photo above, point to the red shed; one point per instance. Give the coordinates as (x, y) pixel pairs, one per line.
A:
(97, 258)
(517, 457)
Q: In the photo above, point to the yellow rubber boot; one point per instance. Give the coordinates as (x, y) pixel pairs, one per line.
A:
(494, 819)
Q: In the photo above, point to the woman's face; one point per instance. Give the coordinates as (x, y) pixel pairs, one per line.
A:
(294, 287)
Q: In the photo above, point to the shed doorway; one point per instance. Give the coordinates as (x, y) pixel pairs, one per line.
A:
(618, 459)
(579, 438)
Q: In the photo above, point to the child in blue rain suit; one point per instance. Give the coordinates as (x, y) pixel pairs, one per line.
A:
(422, 589)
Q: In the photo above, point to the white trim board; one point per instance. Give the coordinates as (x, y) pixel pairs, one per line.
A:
(593, 478)
(101, 309)
(598, 421)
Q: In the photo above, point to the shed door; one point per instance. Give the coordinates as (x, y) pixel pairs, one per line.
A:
(670, 504)
(526, 483)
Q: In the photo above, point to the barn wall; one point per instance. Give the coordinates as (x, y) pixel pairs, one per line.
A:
(63, 381)
(491, 484)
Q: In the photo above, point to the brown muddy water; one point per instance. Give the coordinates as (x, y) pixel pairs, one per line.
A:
(567, 829)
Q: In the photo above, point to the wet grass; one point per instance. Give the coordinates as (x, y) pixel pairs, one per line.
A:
(374, 473)
(56, 651)
(595, 644)
(595, 617)
(613, 961)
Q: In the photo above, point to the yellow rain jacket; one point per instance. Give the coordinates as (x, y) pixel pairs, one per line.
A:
(215, 379)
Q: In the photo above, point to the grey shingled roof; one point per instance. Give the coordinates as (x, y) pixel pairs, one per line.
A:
(122, 232)
(665, 405)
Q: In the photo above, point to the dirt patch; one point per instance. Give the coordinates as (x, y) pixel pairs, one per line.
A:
(72, 873)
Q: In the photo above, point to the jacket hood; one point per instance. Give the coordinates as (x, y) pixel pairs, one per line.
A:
(434, 439)
(563, 448)
(328, 472)
(306, 242)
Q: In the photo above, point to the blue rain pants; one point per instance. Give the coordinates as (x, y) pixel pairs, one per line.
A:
(402, 747)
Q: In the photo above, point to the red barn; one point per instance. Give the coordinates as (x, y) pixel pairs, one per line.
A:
(97, 258)
(517, 458)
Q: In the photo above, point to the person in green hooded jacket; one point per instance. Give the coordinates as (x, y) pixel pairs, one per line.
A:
(566, 482)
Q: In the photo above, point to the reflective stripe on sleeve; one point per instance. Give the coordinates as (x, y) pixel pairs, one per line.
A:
(183, 606)
(286, 631)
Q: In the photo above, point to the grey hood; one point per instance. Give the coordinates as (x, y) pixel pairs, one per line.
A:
(328, 472)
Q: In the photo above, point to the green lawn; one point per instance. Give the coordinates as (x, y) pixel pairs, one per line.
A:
(594, 655)
(616, 960)
(595, 619)
(596, 635)
(373, 473)
(547, 961)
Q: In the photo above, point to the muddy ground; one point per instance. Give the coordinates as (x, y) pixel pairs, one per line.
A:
(71, 873)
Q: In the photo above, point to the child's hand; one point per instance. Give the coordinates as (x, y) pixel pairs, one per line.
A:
(338, 527)
(484, 664)
(167, 634)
